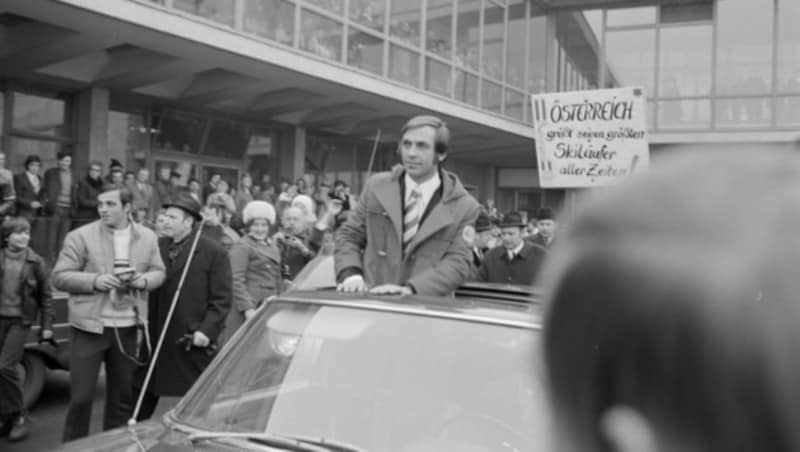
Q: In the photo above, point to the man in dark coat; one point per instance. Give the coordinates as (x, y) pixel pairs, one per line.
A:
(516, 261)
(86, 195)
(201, 309)
(30, 199)
(546, 228)
(58, 187)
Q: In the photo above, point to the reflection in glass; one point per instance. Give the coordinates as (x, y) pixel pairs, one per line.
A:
(321, 36)
(684, 114)
(127, 135)
(631, 16)
(685, 61)
(744, 111)
(228, 139)
(40, 115)
(631, 58)
(334, 6)
(437, 77)
(365, 51)
(468, 33)
(466, 87)
(440, 28)
(744, 60)
(788, 46)
(176, 131)
(494, 30)
(515, 101)
(273, 19)
(686, 13)
(21, 148)
(492, 96)
(369, 13)
(404, 65)
(217, 10)
(515, 49)
(577, 52)
(405, 19)
(537, 55)
(788, 111)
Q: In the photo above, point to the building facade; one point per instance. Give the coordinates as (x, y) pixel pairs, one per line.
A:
(309, 88)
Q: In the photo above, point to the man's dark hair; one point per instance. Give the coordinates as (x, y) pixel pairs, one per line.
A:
(61, 154)
(32, 159)
(193, 179)
(441, 140)
(125, 195)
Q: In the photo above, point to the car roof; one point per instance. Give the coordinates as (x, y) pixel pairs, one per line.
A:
(490, 303)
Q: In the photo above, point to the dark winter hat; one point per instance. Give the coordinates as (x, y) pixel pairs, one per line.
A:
(512, 220)
(114, 164)
(545, 213)
(483, 223)
(187, 203)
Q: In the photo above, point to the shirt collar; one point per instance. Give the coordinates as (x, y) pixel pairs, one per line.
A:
(517, 250)
(426, 189)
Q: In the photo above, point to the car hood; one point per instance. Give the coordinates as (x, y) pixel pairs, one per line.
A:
(149, 436)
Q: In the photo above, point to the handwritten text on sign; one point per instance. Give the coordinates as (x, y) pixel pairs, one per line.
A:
(590, 138)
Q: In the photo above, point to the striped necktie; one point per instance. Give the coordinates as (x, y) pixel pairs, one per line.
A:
(411, 218)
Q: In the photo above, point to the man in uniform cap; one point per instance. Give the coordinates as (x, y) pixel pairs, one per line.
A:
(546, 226)
(516, 261)
(201, 308)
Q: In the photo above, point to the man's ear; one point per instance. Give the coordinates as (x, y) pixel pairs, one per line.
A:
(628, 430)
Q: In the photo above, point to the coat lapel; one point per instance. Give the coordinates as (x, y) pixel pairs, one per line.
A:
(388, 195)
(440, 217)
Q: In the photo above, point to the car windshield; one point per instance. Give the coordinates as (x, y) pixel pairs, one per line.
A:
(377, 380)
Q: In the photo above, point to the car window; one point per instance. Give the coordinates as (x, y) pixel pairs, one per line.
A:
(382, 381)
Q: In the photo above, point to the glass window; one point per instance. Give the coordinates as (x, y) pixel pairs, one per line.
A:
(466, 87)
(684, 114)
(273, 19)
(185, 168)
(321, 36)
(404, 21)
(631, 16)
(577, 51)
(437, 77)
(788, 46)
(41, 115)
(515, 49)
(404, 65)
(788, 111)
(537, 55)
(369, 13)
(631, 58)
(687, 13)
(127, 135)
(492, 96)
(175, 131)
(494, 29)
(468, 33)
(334, 6)
(217, 10)
(685, 61)
(227, 139)
(751, 111)
(744, 60)
(21, 148)
(515, 101)
(440, 28)
(365, 51)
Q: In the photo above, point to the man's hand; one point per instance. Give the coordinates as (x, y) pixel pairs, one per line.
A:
(200, 340)
(249, 313)
(36, 205)
(391, 289)
(333, 207)
(47, 334)
(106, 282)
(353, 283)
(295, 242)
(138, 282)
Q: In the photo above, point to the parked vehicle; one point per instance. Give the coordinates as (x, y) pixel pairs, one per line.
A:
(39, 357)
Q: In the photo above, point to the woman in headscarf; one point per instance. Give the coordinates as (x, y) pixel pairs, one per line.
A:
(308, 208)
(255, 265)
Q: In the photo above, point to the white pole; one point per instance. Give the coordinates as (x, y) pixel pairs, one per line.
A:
(138, 407)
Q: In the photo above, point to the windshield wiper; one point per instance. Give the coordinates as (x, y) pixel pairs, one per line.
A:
(267, 439)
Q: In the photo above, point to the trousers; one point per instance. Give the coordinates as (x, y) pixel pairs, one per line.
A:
(12, 347)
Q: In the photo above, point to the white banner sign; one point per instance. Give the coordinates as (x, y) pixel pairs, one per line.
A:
(590, 138)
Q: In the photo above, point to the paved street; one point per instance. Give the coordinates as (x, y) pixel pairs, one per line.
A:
(48, 415)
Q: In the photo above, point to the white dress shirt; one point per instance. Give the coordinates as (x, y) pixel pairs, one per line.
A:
(515, 251)
(425, 189)
(34, 180)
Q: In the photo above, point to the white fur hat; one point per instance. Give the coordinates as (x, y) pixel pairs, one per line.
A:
(258, 209)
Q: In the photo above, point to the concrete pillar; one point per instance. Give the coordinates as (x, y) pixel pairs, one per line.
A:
(299, 157)
(92, 127)
(292, 158)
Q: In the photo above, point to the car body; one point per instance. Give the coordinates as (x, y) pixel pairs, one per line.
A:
(41, 356)
(327, 371)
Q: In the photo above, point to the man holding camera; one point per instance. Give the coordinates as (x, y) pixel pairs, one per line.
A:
(107, 267)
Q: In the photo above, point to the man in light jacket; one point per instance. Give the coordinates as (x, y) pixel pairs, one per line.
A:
(407, 233)
(107, 267)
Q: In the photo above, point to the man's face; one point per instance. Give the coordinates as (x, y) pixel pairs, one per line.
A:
(511, 237)
(215, 179)
(483, 238)
(112, 212)
(116, 177)
(175, 223)
(20, 239)
(143, 175)
(194, 187)
(34, 168)
(292, 220)
(164, 173)
(95, 171)
(546, 227)
(212, 215)
(65, 163)
(417, 152)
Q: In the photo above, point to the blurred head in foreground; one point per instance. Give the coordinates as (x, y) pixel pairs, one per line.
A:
(674, 310)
